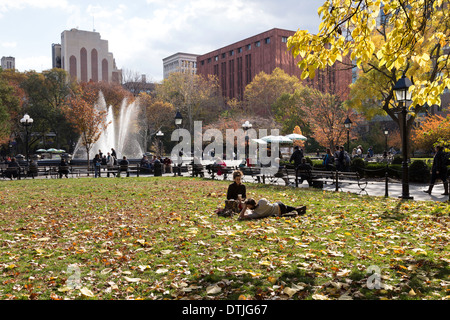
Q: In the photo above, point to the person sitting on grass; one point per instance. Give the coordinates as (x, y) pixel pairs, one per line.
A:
(237, 188)
(264, 209)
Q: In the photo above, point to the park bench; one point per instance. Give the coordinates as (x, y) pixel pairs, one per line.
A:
(214, 169)
(128, 169)
(351, 178)
(316, 178)
(280, 174)
(254, 172)
(179, 169)
(64, 171)
(197, 170)
(12, 172)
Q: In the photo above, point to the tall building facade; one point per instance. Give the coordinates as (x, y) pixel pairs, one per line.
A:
(237, 64)
(180, 62)
(8, 63)
(86, 57)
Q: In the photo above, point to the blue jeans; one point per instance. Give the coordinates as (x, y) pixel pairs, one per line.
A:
(97, 171)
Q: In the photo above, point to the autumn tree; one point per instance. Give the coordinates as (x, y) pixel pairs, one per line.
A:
(8, 104)
(113, 93)
(196, 97)
(434, 130)
(85, 116)
(299, 143)
(385, 39)
(289, 110)
(46, 94)
(156, 115)
(266, 89)
(326, 117)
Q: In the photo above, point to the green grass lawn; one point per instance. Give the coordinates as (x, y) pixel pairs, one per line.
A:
(159, 238)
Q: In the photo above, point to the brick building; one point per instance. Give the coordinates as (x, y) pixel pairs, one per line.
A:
(237, 64)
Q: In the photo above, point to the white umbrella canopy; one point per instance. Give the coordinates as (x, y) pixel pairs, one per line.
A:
(296, 136)
(259, 141)
(279, 139)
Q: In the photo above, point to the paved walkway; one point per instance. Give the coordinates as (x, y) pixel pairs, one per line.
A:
(395, 190)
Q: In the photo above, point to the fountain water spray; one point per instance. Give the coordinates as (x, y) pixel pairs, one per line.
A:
(119, 134)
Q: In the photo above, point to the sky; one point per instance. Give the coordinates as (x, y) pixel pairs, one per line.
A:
(141, 33)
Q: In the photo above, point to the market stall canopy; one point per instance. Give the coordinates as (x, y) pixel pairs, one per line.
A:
(279, 139)
(296, 136)
(259, 141)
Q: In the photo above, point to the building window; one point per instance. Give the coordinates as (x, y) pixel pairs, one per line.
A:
(209, 60)
(284, 39)
(258, 44)
(240, 50)
(249, 47)
(232, 53)
(267, 40)
(224, 55)
(216, 58)
(203, 62)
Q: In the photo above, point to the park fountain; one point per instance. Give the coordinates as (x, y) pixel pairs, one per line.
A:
(118, 134)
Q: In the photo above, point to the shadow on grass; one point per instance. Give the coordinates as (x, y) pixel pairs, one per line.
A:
(257, 288)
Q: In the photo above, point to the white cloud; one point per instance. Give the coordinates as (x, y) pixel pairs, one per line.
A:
(7, 5)
(9, 44)
(36, 63)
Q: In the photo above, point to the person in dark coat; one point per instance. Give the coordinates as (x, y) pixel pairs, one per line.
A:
(439, 170)
(237, 188)
(63, 168)
(341, 159)
(297, 156)
(306, 171)
(14, 169)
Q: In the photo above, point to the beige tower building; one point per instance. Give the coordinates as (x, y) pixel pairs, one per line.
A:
(180, 62)
(86, 57)
(8, 63)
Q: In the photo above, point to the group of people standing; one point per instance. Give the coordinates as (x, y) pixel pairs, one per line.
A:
(109, 160)
(339, 160)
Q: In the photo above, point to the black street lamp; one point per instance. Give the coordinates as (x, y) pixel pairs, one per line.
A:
(27, 122)
(178, 119)
(246, 126)
(403, 96)
(348, 126)
(178, 123)
(160, 135)
(386, 133)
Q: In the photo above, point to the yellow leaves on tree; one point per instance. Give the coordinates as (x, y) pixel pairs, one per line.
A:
(299, 143)
(387, 37)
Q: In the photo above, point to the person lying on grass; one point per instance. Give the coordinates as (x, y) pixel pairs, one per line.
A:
(264, 209)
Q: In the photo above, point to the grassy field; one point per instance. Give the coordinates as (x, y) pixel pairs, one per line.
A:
(159, 238)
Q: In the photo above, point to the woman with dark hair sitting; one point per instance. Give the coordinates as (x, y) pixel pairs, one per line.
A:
(264, 209)
(237, 188)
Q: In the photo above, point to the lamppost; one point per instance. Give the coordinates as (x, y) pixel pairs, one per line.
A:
(348, 126)
(386, 133)
(403, 96)
(178, 123)
(27, 122)
(246, 126)
(160, 135)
